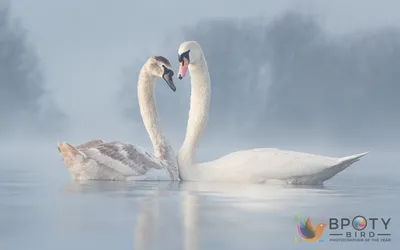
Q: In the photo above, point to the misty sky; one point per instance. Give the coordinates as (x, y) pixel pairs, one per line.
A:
(84, 45)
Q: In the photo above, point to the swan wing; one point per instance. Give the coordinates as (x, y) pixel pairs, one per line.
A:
(90, 144)
(259, 165)
(301, 168)
(284, 164)
(127, 159)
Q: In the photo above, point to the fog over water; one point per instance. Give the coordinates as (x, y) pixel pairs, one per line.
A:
(285, 77)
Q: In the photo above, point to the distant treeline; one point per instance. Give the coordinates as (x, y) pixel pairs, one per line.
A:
(290, 77)
(24, 104)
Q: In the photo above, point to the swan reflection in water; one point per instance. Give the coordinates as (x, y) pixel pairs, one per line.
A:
(224, 209)
(149, 218)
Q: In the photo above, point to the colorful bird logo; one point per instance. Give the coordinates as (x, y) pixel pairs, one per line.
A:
(308, 232)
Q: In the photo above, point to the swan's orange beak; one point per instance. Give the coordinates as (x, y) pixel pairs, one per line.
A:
(183, 66)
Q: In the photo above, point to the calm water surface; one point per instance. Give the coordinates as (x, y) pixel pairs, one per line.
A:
(40, 208)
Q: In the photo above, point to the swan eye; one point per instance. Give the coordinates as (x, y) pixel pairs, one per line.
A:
(167, 71)
(184, 55)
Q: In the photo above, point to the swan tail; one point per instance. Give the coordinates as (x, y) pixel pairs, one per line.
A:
(331, 171)
(344, 163)
(69, 154)
(351, 159)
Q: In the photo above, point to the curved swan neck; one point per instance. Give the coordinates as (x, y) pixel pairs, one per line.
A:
(198, 114)
(148, 111)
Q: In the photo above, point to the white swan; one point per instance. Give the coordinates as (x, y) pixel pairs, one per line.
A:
(119, 161)
(256, 165)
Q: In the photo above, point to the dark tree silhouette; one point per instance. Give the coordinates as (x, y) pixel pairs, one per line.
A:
(24, 103)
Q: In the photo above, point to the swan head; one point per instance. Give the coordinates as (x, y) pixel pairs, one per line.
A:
(189, 52)
(159, 66)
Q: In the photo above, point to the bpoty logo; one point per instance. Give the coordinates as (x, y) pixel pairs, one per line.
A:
(359, 229)
(342, 229)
